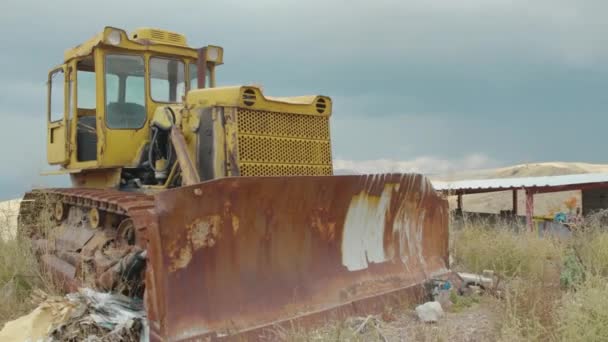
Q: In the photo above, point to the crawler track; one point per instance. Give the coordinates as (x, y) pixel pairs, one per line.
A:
(78, 251)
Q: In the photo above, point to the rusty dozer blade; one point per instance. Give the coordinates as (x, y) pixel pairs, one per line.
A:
(235, 255)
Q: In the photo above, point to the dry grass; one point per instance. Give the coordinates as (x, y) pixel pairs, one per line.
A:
(583, 314)
(334, 331)
(535, 303)
(20, 274)
(554, 289)
(510, 251)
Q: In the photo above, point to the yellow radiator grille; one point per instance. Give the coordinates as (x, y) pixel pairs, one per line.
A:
(283, 144)
(283, 124)
(249, 169)
(283, 150)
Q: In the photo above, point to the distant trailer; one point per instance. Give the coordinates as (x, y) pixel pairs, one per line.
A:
(593, 187)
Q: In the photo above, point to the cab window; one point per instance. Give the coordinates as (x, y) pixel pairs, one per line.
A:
(86, 106)
(167, 79)
(86, 89)
(57, 91)
(193, 76)
(125, 93)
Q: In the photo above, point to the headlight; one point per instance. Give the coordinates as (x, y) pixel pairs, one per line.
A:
(214, 54)
(113, 38)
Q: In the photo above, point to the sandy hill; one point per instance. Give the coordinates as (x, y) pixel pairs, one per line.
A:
(527, 170)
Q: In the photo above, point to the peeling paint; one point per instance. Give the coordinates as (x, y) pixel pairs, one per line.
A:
(379, 228)
(235, 224)
(202, 233)
(182, 259)
(323, 224)
(363, 241)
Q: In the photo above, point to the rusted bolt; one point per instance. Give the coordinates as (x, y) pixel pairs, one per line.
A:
(198, 192)
(95, 218)
(60, 211)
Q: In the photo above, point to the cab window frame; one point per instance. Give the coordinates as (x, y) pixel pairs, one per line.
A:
(86, 76)
(193, 82)
(178, 97)
(50, 101)
(105, 88)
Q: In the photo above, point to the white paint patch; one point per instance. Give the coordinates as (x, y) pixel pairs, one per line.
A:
(409, 229)
(9, 210)
(410, 232)
(363, 238)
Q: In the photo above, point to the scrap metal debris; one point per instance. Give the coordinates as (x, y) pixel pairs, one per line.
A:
(103, 317)
(86, 315)
(430, 312)
(486, 280)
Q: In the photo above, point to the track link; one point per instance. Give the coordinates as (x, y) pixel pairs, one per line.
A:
(79, 252)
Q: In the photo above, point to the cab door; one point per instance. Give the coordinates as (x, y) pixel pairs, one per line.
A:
(57, 109)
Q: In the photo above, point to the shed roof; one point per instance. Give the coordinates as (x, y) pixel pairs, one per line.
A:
(540, 184)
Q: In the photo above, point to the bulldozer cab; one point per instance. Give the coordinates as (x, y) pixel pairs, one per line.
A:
(102, 98)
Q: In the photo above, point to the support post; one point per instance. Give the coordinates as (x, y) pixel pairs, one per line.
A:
(530, 209)
(201, 67)
(515, 202)
(460, 202)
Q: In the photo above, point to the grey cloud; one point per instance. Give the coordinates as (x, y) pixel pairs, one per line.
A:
(515, 80)
(23, 144)
(422, 164)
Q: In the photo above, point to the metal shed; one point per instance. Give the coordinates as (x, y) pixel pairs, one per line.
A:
(592, 185)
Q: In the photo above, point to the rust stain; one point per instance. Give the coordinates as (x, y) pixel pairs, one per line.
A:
(182, 259)
(257, 250)
(204, 232)
(322, 222)
(235, 224)
(201, 233)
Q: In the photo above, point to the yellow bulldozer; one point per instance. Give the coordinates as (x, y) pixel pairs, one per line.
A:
(217, 205)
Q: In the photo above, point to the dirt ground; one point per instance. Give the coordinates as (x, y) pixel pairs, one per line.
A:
(475, 323)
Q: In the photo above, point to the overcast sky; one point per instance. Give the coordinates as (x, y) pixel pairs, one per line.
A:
(424, 85)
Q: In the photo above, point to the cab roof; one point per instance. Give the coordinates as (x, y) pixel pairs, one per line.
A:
(143, 39)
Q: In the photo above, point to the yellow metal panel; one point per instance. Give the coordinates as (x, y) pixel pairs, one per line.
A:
(56, 150)
(251, 97)
(219, 154)
(98, 178)
(231, 141)
(60, 172)
(122, 147)
(162, 119)
(154, 35)
(83, 49)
